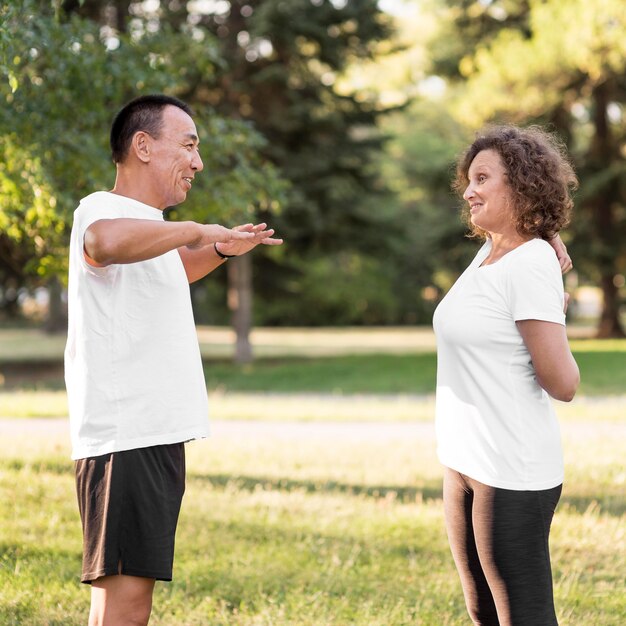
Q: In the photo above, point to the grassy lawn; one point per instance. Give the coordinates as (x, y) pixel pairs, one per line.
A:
(312, 530)
(603, 372)
(284, 530)
(343, 361)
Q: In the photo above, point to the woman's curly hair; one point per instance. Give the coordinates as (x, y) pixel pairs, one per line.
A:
(538, 172)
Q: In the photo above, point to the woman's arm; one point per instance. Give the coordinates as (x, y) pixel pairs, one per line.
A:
(556, 369)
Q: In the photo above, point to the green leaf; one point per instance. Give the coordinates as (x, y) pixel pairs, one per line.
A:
(13, 82)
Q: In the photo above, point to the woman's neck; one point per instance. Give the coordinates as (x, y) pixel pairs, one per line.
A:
(502, 243)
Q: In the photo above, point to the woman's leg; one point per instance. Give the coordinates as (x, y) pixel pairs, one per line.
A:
(511, 530)
(458, 500)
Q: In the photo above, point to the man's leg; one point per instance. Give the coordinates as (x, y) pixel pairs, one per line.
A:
(121, 601)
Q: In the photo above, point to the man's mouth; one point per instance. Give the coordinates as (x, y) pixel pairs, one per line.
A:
(188, 181)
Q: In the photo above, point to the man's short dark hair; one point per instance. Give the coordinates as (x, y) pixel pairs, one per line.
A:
(144, 113)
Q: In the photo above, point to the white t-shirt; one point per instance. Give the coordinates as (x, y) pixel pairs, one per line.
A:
(133, 369)
(494, 422)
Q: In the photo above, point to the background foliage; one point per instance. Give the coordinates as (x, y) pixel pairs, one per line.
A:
(336, 121)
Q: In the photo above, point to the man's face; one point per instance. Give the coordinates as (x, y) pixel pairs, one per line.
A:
(175, 158)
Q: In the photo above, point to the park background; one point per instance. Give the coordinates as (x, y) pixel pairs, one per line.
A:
(318, 498)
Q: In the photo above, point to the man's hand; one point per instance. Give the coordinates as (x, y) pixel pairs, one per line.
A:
(199, 257)
(212, 233)
(255, 234)
(561, 254)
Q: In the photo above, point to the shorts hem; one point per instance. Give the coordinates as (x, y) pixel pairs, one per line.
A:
(87, 579)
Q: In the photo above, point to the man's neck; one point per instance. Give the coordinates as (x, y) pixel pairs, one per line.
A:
(128, 185)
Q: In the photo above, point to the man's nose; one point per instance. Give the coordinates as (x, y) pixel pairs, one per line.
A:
(196, 164)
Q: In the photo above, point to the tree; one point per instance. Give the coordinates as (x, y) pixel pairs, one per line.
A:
(419, 167)
(63, 77)
(284, 62)
(559, 62)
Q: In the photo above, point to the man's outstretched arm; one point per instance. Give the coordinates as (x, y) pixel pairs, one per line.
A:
(127, 240)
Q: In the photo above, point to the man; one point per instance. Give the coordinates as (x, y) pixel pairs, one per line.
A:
(133, 369)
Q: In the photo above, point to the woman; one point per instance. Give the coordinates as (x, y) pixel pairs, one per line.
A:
(502, 351)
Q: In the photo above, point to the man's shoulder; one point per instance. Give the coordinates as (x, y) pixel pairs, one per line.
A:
(98, 205)
(111, 205)
(96, 199)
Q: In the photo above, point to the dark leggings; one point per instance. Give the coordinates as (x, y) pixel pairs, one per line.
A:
(499, 541)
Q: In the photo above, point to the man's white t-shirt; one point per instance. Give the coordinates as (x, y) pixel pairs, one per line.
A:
(494, 422)
(133, 369)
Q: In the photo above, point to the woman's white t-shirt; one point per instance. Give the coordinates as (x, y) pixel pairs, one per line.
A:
(133, 369)
(494, 422)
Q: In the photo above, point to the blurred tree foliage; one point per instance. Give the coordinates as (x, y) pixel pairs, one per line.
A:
(360, 192)
(561, 63)
(64, 77)
(274, 128)
(281, 61)
(418, 166)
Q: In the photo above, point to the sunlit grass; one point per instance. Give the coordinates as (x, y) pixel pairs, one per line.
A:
(298, 407)
(325, 527)
(24, 344)
(21, 403)
(216, 342)
(328, 361)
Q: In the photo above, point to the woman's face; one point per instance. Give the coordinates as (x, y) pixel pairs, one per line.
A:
(489, 195)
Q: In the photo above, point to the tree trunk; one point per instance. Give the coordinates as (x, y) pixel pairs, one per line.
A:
(603, 155)
(240, 304)
(610, 325)
(57, 316)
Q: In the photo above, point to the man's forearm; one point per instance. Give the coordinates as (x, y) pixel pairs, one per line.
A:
(200, 262)
(126, 240)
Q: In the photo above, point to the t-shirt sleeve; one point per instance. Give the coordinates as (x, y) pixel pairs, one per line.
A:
(535, 286)
(90, 210)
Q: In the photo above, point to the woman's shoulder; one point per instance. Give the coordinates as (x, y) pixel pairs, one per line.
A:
(537, 246)
(535, 260)
(535, 250)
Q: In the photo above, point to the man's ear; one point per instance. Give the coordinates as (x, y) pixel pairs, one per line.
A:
(141, 145)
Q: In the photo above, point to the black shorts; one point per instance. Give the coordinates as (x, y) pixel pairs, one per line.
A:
(129, 504)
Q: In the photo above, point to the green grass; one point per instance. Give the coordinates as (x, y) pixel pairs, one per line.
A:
(305, 532)
(236, 406)
(603, 375)
(368, 373)
(311, 531)
(381, 361)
